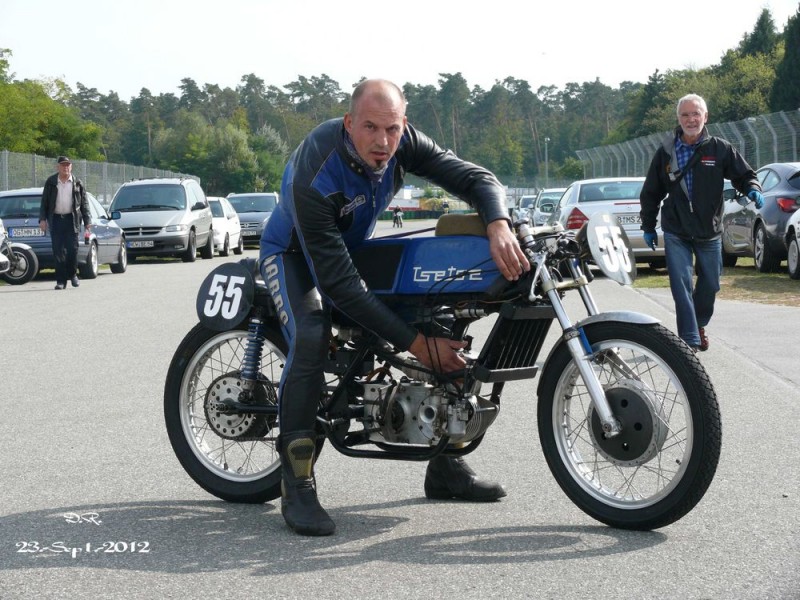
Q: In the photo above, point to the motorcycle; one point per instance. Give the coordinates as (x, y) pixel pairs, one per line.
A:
(628, 418)
(23, 265)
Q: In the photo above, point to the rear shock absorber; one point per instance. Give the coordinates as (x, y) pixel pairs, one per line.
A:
(251, 363)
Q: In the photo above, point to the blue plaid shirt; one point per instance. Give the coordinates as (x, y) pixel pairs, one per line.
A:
(683, 153)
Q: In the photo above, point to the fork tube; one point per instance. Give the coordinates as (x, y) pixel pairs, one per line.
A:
(581, 352)
(586, 295)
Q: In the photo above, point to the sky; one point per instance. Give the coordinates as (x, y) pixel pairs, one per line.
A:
(124, 47)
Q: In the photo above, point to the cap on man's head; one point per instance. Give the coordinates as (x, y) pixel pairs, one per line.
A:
(64, 159)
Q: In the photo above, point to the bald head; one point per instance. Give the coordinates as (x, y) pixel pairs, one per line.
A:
(379, 91)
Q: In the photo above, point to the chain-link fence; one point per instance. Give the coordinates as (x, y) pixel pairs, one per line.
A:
(761, 140)
(100, 178)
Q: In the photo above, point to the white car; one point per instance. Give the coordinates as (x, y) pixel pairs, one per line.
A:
(227, 229)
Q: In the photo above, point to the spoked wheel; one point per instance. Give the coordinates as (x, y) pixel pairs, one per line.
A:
(230, 455)
(24, 266)
(661, 464)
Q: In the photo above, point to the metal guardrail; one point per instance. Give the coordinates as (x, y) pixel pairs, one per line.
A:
(761, 140)
(102, 179)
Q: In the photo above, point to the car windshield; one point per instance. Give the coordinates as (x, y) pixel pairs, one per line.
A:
(20, 207)
(618, 190)
(552, 196)
(253, 202)
(150, 197)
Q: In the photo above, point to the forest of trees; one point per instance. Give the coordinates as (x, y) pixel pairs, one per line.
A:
(238, 139)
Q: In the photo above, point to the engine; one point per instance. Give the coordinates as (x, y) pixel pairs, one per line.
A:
(418, 413)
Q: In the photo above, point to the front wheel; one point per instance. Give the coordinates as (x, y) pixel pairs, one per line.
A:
(90, 268)
(661, 464)
(793, 259)
(766, 260)
(24, 266)
(231, 456)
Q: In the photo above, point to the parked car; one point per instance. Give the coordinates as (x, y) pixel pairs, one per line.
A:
(793, 245)
(545, 204)
(254, 210)
(19, 210)
(618, 196)
(761, 233)
(227, 229)
(164, 217)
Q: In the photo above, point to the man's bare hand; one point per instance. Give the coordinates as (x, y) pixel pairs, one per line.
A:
(438, 354)
(505, 250)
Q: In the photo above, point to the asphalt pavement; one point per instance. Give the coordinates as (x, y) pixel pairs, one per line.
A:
(88, 473)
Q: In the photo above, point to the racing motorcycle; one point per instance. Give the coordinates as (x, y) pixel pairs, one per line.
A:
(18, 262)
(628, 418)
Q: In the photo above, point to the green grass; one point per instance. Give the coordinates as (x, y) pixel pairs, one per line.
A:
(741, 282)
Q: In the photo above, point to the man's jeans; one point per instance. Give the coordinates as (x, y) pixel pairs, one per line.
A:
(694, 304)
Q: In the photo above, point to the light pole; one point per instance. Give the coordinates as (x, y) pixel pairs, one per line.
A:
(546, 164)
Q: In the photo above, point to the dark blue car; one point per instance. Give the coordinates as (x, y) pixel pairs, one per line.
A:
(761, 233)
(19, 210)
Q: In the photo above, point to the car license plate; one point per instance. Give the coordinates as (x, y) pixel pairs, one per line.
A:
(144, 244)
(20, 232)
(629, 219)
(249, 233)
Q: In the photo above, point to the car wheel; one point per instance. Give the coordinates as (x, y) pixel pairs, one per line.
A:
(122, 259)
(226, 246)
(765, 258)
(240, 246)
(208, 249)
(191, 248)
(89, 268)
(794, 259)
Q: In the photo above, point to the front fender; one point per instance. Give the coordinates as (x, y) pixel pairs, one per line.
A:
(620, 316)
(20, 245)
(624, 316)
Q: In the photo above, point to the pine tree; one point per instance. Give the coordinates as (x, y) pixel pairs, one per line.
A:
(763, 39)
(786, 89)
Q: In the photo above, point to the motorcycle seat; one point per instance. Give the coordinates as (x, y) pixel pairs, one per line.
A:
(455, 224)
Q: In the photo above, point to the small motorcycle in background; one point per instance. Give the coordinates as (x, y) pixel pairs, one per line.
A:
(18, 262)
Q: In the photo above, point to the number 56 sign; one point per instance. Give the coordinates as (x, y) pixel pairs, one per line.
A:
(225, 296)
(611, 249)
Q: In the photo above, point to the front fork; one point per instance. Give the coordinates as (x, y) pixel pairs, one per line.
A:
(578, 344)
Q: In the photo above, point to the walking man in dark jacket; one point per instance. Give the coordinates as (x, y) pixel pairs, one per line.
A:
(687, 174)
(63, 208)
(338, 182)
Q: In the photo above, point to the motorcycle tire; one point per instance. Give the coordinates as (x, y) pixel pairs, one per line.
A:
(24, 266)
(659, 467)
(231, 456)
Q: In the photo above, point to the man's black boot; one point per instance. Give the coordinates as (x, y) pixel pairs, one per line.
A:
(299, 505)
(450, 477)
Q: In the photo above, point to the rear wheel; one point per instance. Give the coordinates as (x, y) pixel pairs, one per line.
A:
(240, 246)
(232, 456)
(122, 259)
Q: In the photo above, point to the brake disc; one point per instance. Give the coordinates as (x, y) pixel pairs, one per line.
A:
(642, 420)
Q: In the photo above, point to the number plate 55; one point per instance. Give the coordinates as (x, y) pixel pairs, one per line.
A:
(225, 297)
(611, 249)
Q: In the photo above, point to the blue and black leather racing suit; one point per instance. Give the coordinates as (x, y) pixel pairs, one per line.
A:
(328, 206)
